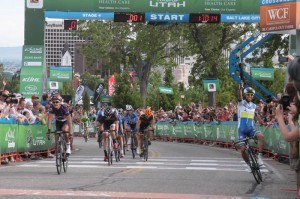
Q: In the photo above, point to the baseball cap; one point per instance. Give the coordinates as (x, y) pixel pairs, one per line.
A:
(34, 97)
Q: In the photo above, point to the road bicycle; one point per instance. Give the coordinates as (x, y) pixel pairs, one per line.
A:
(124, 142)
(85, 132)
(109, 148)
(61, 157)
(255, 169)
(117, 151)
(133, 144)
(145, 145)
(99, 138)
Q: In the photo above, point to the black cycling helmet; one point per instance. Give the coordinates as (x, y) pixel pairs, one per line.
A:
(249, 90)
(107, 111)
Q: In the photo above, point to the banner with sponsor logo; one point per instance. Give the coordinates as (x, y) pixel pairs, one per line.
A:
(61, 74)
(33, 55)
(165, 90)
(211, 85)
(111, 85)
(31, 81)
(278, 15)
(262, 73)
(164, 6)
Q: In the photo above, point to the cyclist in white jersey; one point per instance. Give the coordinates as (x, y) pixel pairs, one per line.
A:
(246, 114)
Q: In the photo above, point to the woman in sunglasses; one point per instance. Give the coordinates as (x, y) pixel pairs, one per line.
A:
(63, 118)
(246, 114)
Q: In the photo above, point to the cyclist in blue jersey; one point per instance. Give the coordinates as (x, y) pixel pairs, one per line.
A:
(62, 117)
(246, 114)
(130, 120)
(120, 132)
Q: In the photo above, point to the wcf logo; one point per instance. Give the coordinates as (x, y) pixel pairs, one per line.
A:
(278, 13)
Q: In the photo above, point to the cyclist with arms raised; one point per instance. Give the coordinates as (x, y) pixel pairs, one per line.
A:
(130, 120)
(246, 114)
(145, 121)
(108, 122)
(60, 112)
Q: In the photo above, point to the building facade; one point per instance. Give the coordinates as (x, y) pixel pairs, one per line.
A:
(55, 38)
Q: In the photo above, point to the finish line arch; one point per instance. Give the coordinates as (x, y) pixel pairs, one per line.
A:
(33, 74)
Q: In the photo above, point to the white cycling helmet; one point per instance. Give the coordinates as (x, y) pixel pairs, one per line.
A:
(249, 90)
(128, 107)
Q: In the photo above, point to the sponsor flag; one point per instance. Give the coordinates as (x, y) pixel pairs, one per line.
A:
(111, 85)
(78, 94)
(98, 91)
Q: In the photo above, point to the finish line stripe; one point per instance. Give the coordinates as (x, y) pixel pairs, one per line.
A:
(28, 192)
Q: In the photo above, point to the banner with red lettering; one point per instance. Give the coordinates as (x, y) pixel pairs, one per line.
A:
(111, 85)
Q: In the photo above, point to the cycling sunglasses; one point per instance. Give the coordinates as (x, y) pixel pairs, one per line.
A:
(55, 102)
(250, 94)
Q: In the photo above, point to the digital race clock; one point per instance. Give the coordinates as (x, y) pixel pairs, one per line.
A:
(129, 17)
(204, 18)
(70, 24)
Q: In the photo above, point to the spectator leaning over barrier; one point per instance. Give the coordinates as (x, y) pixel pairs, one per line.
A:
(246, 114)
(28, 108)
(292, 136)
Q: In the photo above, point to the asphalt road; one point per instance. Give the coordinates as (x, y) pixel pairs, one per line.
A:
(174, 170)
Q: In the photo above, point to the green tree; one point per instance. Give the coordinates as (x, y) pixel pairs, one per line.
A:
(126, 91)
(167, 101)
(209, 48)
(86, 101)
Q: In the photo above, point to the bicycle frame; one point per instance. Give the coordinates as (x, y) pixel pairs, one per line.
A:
(255, 169)
(61, 157)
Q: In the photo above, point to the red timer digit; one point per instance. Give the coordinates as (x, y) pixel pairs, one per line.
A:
(204, 18)
(129, 17)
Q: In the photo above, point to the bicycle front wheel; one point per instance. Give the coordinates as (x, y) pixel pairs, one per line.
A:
(254, 167)
(58, 158)
(133, 148)
(145, 147)
(65, 160)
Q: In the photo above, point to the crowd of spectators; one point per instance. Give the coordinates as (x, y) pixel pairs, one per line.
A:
(200, 114)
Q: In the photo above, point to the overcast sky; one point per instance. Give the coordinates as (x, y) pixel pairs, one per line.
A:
(11, 23)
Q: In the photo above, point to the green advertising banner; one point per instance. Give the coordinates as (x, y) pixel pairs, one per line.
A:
(225, 132)
(8, 138)
(61, 74)
(178, 6)
(33, 138)
(31, 81)
(106, 99)
(262, 74)
(165, 90)
(212, 85)
(33, 55)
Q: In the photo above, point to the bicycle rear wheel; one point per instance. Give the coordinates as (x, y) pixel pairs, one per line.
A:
(145, 151)
(109, 151)
(254, 167)
(124, 143)
(100, 140)
(58, 157)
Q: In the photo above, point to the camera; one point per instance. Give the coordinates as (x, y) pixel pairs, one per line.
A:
(285, 101)
(283, 59)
